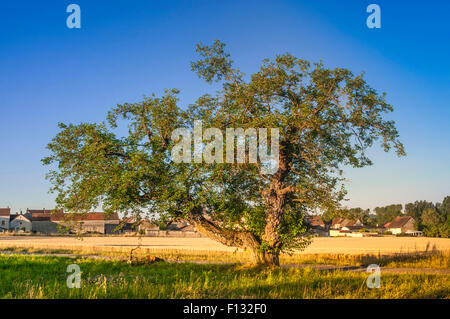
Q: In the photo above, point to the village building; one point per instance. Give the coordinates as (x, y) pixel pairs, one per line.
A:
(344, 227)
(133, 225)
(402, 224)
(174, 228)
(345, 223)
(181, 226)
(345, 233)
(20, 223)
(317, 225)
(43, 220)
(54, 221)
(4, 219)
(46, 221)
(94, 222)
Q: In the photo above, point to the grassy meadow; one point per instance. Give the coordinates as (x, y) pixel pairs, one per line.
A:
(418, 259)
(25, 276)
(26, 272)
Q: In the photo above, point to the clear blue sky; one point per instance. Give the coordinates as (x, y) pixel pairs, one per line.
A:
(51, 74)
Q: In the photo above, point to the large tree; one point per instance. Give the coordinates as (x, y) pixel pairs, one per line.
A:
(417, 209)
(431, 218)
(444, 208)
(358, 213)
(433, 223)
(326, 118)
(387, 213)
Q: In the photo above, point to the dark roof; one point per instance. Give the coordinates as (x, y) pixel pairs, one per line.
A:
(5, 212)
(129, 220)
(44, 214)
(180, 225)
(90, 216)
(315, 221)
(349, 223)
(337, 221)
(42, 211)
(58, 215)
(135, 220)
(398, 222)
(344, 222)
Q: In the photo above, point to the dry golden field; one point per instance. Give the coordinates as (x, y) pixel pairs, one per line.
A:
(320, 245)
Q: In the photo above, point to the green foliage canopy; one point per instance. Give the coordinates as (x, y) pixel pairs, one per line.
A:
(327, 118)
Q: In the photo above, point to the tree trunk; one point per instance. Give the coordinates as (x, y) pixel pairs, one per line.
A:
(258, 257)
(272, 258)
(231, 238)
(275, 197)
(240, 239)
(271, 235)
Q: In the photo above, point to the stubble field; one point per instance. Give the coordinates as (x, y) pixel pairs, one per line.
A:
(202, 268)
(320, 245)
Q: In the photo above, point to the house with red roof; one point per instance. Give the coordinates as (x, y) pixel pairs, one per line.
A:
(92, 222)
(344, 227)
(401, 224)
(53, 221)
(345, 223)
(317, 225)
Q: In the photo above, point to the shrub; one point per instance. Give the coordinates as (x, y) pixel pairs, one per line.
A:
(162, 225)
(404, 235)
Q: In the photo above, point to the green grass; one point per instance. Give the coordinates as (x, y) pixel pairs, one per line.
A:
(45, 277)
(420, 259)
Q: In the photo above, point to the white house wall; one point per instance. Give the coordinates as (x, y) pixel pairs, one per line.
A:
(20, 223)
(4, 222)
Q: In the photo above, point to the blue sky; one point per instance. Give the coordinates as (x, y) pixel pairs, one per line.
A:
(125, 49)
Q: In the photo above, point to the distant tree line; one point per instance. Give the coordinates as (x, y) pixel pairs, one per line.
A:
(432, 219)
(364, 215)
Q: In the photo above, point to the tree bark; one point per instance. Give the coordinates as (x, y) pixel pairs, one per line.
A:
(232, 238)
(272, 258)
(258, 257)
(271, 237)
(275, 197)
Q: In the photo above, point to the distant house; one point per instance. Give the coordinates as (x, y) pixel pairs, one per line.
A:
(401, 224)
(94, 222)
(336, 223)
(147, 224)
(181, 226)
(51, 221)
(129, 224)
(43, 214)
(20, 222)
(345, 223)
(174, 228)
(345, 233)
(344, 227)
(4, 219)
(317, 225)
(132, 224)
(44, 220)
